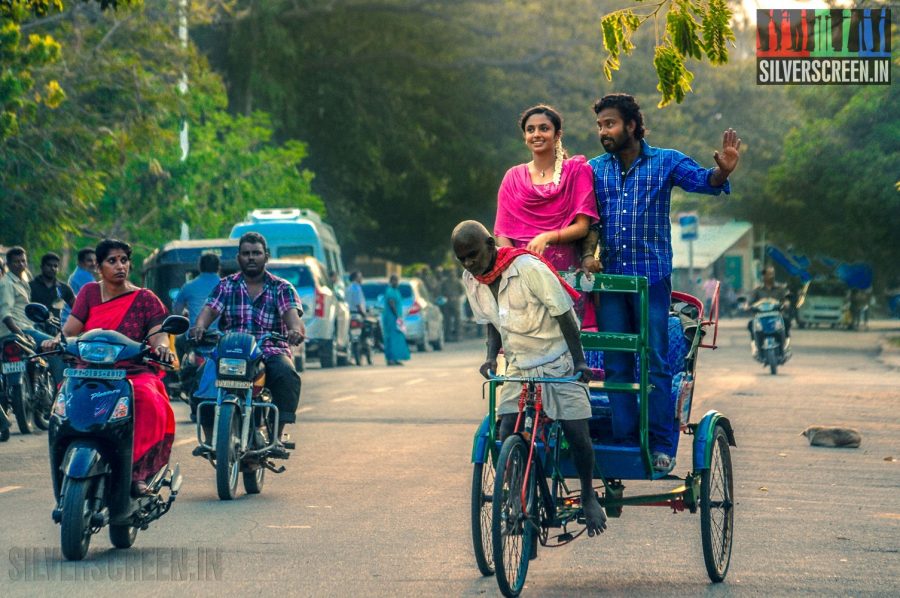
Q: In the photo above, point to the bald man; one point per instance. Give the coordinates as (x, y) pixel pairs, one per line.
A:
(528, 312)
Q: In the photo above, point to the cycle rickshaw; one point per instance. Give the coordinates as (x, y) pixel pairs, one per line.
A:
(520, 498)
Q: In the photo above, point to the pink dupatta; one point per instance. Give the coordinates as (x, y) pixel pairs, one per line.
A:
(524, 210)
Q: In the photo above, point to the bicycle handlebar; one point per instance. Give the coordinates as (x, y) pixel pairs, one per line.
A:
(536, 379)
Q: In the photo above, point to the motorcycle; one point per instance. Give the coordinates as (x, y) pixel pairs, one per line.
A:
(362, 337)
(27, 385)
(237, 431)
(91, 438)
(769, 346)
(196, 354)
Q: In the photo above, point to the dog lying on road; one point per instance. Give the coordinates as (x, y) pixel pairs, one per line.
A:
(832, 436)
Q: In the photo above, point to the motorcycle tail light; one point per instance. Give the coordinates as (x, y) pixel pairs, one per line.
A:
(120, 410)
(199, 360)
(12, 352)
(414, 308)
(320, 305)
(355, 324)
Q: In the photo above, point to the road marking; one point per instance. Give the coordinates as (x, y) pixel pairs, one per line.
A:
(382, 389)
(289, 526)
(185, 441)
(442, 374)
(881, 515)
(304, 409)
(342, 399)
(415, 381)
(8, 488)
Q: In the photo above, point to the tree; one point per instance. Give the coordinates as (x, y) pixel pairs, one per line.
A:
(693, 29)
(106, 162)
(18, 63)
(834, 191)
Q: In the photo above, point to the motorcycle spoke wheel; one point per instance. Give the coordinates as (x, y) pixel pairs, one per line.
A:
(21, 399)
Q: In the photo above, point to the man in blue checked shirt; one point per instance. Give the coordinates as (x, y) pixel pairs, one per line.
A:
(633, 183)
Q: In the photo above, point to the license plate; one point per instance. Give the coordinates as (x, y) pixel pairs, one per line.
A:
(355, 333)
(234, 384)
(13, 367)
(95, 373)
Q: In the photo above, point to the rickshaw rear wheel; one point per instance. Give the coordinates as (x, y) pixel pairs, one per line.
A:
(717, 507)
(482, 511)
(512, 534)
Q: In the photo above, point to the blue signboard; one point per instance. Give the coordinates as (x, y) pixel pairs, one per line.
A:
(690, 224)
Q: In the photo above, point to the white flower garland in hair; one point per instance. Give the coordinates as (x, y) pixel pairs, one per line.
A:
(560, 155)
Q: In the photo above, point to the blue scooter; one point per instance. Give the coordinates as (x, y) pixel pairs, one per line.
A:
(770, 345)
(91, 438)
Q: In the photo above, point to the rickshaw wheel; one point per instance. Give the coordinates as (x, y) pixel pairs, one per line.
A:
(717, 508)
(512, 535)
(482, 510)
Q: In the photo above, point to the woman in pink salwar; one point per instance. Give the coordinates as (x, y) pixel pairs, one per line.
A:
(547, 205)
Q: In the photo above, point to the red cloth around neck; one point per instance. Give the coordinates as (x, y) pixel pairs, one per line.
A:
(506, 255)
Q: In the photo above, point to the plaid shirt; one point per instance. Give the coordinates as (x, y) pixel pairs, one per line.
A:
(240, 313)
(635, 231)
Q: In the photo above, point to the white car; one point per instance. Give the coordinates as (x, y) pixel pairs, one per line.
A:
(325, 312)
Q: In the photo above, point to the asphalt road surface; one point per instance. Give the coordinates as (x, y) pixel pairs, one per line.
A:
(375, 501)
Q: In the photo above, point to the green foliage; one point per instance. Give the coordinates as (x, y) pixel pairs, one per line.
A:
(17, 64)
(107, 162)
(834, 191)
(680, 42)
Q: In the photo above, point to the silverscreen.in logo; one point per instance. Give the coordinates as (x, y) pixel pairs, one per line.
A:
(823, 46)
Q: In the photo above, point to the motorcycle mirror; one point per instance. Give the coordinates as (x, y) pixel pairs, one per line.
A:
(37, 312)
(175, 325)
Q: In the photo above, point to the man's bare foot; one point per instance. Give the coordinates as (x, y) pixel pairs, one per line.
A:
(594, 516)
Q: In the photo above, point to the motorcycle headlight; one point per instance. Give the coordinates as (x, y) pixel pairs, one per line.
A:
(779, 324)
(59, 407)
(757, 325)
(99, 352)
(233, 367)
(120, 410)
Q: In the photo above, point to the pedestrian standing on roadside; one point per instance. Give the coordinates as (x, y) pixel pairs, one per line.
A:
(396, 350)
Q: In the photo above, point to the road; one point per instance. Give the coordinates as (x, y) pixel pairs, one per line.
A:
(375, 501)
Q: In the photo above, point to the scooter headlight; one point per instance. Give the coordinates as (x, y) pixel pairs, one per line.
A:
(233, 367)
(99, 352)
(120, 410)
(59, 406)
(779, 324)
(757, 325)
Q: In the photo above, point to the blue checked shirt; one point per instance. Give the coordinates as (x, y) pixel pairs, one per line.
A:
(635, 231)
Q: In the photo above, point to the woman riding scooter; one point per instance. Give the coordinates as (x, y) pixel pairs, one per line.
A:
(114, 303)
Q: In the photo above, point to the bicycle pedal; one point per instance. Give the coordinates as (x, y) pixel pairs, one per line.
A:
(565, 537)
(200, 451)
(290, 445)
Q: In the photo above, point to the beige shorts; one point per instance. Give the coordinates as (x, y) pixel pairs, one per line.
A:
(561, 401)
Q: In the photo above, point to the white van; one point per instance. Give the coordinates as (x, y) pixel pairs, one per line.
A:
(294, 233)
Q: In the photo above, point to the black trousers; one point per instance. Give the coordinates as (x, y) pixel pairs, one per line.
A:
(283, 382)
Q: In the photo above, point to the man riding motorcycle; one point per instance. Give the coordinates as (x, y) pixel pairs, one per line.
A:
(256, 302)
(770, 289)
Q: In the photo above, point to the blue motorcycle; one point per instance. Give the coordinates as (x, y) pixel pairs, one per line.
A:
(237, 430)
(91, 438)
(770, 345)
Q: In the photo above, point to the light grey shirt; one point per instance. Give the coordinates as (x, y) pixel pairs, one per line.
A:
(530, 296)
(15, 294)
